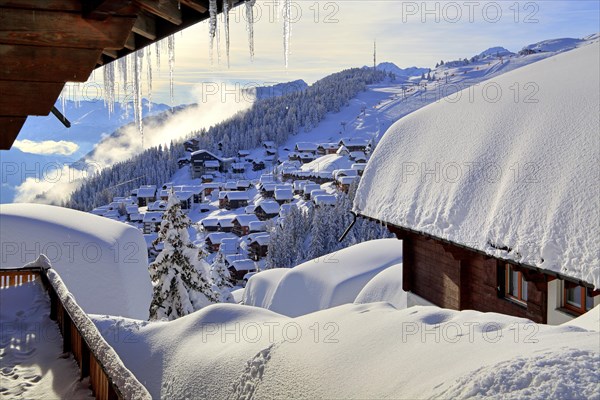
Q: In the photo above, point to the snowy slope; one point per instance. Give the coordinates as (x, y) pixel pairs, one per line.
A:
(516, 174)
(369, 351)
(103, 262)
(324, 282)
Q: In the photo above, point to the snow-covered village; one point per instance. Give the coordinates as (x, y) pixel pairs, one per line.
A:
(248, 199)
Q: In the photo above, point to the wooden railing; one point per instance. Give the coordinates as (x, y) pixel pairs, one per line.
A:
(81, 337)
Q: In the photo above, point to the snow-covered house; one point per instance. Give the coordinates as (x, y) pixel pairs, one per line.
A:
(236, 199)
(508, 223)
(306, 147)
(241, 224)
(204, 162)
(354, 144)
(257, 226)
(240, 268)
(267, 190)
(186, 199)
(266, 210)
(158, 205)
(146, 194)
(210, 224)
(214, 240)
(308, 188)
(152, 221)
(344, 182)
(284, 194)
(358, 156)
(225, 224)
(342, 151)
(243, 185)
(327, 148)
(183, 161)
(359, 168)
(258, 246)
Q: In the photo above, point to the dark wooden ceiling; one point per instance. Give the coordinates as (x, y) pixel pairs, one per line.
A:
(46, 43)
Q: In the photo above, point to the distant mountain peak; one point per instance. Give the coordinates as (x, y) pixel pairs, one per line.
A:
(411, 71)
(496, 51)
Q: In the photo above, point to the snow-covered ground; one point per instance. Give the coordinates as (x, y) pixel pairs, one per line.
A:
(515, 176)
(362, 351)
(103, 262)
(32, 364)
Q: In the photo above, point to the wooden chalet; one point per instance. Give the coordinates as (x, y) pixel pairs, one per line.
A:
(258, 247)
(235, 199)
(266, 210)
(46, 43)
(241, 224)
(203, 162)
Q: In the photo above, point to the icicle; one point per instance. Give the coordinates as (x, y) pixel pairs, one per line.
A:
(138, 61)
(157, 48)
(250, 26)
(77, 94)
(212, 26)
(149, 75)
(171, 44)
(287, 29)
(109, 87)
(226, 27)
(63, 98)
(123, 66)
(218, 40)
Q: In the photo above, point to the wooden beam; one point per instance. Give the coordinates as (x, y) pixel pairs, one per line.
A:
(166, 9)
(57, 5)
(46, 64)
(102, 9)
(130, 43)
(9, 129)
(198, 5)
(28, 98)
(60, 29)
(145, 25)
(110, 53)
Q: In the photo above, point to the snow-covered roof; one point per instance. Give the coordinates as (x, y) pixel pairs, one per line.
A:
(211, 185)
(346, 180)
(329, 146)
(262, 239)
(269, 144)
(338, 173)
(257, 226)
(155, 216)
(306, 146)
(243, 184)
(157, 205)
(212, 222)
(225, 222)
(205, 151)
(358, 155)
(245, 219)
(269, 206)
(229, 245)
(269, 187)
(217, 237)
(237, 195)
(222, 194)
(147, 191)
(238, 165)
(359, 166)
(243, 153)
(519, 176)
(135, 217)
(103, 263)
(266, 178)
(284, 194)
(182, 196)
(354, 142)
(244, 265)
(325, 200)
(250, 209)
(310, 187)
(231, 185)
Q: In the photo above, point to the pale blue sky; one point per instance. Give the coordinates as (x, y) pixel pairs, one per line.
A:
(328, 36)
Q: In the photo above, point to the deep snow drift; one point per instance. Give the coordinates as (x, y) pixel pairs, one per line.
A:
(31, 361)
(514, 174)
(356, 352)
(324, 282)
(103, 262)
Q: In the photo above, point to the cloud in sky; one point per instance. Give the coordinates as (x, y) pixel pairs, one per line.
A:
(47, 147)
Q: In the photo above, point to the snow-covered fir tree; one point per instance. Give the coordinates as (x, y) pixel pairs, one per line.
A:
(178, 275)
(221, 279)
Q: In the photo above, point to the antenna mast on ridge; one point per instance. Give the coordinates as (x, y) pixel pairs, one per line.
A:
(375, 54)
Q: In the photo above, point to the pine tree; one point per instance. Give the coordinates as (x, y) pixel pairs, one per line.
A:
(221, 279)
(178, 276)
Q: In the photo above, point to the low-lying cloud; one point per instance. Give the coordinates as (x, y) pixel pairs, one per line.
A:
(47, 147)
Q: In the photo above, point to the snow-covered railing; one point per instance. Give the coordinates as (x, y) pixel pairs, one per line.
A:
(109, 378)
(17, 277)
